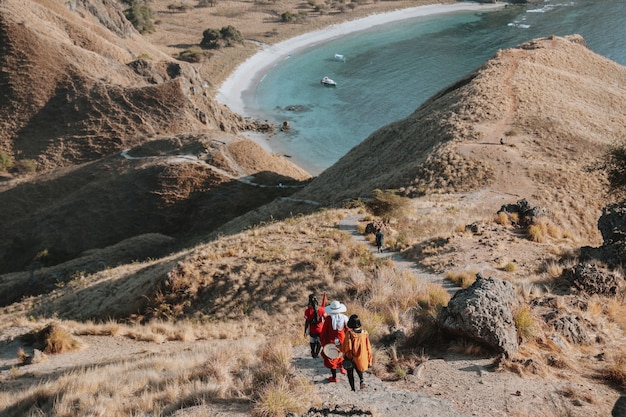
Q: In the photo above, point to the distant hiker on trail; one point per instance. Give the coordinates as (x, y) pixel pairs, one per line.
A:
(356, 350)
(379, 240)
(333, 333)
(313, 323)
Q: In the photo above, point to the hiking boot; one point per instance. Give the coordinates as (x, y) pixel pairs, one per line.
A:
(332, 379)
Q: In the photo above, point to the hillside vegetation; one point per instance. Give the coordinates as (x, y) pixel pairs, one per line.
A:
(161, 263)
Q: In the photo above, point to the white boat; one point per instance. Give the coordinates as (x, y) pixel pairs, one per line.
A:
(328, 81)
(340, 57)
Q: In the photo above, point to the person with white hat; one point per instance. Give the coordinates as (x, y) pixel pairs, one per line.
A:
(333, 333)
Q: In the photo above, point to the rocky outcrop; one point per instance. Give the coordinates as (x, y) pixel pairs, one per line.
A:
(524, 211)
(592, 279)
(484, 312)
(612, 223)
(612, 253)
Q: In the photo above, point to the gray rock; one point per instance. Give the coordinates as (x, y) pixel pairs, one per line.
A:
(612, 223)
(571, 328)
(484, 312)
(592, 279)
(619, 409)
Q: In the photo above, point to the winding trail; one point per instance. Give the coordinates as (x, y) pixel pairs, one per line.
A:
(198, 160)
(349, 224)
(378, 398)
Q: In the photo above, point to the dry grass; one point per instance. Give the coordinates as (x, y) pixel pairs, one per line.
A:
(525, 323)
(462, 279)
(153, 384)
(615, 373)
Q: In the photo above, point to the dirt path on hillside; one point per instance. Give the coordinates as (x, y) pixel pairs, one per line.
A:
(349, 224)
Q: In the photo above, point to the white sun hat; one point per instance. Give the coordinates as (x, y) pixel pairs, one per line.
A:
(335, 307)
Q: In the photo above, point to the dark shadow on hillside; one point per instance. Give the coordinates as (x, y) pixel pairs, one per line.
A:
(101, 204)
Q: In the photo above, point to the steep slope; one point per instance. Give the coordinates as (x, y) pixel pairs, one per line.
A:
(79, 86)
(555, 104)
(73, 90)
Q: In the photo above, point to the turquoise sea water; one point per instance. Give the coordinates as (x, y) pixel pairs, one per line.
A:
(391, 69)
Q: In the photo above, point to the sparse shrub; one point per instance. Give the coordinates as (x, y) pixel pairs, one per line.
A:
(140, 15)
(536, 233)
(6, 162)
(434, 298)
(180, 8)
(231, 35)
(615, 167)
(525, 322)
(226, 36)
(52, 339)
(616, 373)
(210, 38)
(502, 218)
(193, 55)
(282, 397)
(22, 356)
(510, 267)
(463, 278)
(26, 166)
(388, 204)
(287, 17)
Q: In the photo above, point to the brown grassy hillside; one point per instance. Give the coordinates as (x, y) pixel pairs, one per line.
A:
(174, 255)
(556, 105)
(79, 86)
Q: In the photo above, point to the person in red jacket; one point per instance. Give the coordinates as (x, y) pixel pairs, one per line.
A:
(333, 332)
(313, 323)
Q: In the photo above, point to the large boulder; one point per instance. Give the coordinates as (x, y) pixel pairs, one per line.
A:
(484, 312)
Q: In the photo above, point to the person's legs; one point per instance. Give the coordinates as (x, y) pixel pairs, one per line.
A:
(360, 374)
(333, 372)
(318, 346)
(351, 378)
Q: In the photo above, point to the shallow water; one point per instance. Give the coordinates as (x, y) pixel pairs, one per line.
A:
(390, 70)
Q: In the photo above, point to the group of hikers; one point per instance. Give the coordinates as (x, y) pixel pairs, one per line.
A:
(340, 340)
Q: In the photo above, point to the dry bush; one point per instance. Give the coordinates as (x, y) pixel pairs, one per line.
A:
(52, 339)
(156, 384)
(462, 279)
(616, 310)
(388, 205)
(543, 228)
(525, 322)
(284, 397)
(616, 372)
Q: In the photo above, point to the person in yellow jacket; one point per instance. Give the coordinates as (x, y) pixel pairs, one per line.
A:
(356, 349)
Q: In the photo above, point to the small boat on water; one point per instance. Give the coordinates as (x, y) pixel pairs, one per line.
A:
(327, 81)
(340, 57)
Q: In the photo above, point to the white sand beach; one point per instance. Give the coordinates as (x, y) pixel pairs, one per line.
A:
(243, 80)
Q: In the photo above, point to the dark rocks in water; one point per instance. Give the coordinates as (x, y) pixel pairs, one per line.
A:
(484, 312)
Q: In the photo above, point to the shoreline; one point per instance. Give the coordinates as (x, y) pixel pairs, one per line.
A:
(240, 84)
